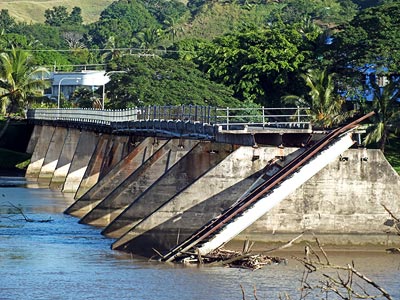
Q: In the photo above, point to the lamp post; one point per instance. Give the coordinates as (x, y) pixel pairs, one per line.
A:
(59, 87)
(104, 86)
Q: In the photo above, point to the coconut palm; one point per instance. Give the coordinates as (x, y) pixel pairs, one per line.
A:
(325, 106)
(387, 117)
(19, 80)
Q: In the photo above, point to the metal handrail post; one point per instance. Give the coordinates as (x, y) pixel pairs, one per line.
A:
(263, 117)
(227, 118)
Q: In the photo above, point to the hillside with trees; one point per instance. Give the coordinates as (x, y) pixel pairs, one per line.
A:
(328, 55)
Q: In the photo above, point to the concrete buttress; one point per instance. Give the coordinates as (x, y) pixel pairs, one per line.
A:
(140, 180)
(65, 159)
(112, 179)
(40, 152)
(187, 211)
(83, 153)
(34, 139)
(52, 155)
(200, 160)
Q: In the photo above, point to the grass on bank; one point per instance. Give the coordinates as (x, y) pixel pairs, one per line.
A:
(13, 160)
(33, 10)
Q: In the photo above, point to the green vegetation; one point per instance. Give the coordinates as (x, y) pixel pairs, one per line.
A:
(13, 160)
(247, 53)
(33, 11)
(392, 153)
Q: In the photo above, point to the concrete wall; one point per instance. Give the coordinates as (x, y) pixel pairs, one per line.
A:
(341, 203)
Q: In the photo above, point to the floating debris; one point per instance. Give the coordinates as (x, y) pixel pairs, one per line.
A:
(234, 259)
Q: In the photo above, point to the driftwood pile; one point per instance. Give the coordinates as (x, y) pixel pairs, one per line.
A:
(236, 259)
(239, 259)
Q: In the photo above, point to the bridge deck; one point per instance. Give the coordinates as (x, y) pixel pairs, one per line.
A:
(235, 126)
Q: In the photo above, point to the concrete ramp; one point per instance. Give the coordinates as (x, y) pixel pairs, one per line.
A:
(111, 180)
(139, 181)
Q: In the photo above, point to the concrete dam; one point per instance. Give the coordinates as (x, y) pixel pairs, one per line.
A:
(164, 182)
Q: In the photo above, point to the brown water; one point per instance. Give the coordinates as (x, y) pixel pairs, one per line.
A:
(63, 259)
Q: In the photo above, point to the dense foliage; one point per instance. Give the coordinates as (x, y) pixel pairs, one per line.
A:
(222, 53)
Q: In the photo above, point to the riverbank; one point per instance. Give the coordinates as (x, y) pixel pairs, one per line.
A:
(13, 163)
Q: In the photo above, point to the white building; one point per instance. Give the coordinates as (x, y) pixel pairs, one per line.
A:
(65, 83)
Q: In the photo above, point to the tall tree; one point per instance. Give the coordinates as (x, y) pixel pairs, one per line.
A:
(122, 19)
(56, 16)
(326, 107)
(156, 81)
(386, 103)
(19, 80)
(7, 23)
(371, 39)
(258, 64)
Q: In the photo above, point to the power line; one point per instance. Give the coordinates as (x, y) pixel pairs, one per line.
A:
(106, 49)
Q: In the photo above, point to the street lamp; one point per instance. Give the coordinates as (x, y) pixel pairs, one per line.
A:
(104, 86)
(59, 87)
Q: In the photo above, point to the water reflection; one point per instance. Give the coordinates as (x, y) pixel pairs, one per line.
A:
(63, 259)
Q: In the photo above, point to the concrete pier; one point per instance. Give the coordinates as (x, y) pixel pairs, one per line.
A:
(34, 139)
(204, 157)
(200, 202)
(109, 151)
(84, 150)
(138, 182)
(39, 154)
(52, 155)
(116, 176)
(65, 159)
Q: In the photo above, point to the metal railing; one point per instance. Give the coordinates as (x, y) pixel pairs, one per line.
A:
(284, 117)
(227, 118)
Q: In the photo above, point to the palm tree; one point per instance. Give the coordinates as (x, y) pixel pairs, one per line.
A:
(19, 79)
(149, 39)
(387, 117)
(112, 51)
(325, 106)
